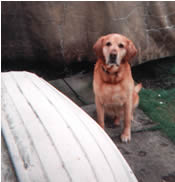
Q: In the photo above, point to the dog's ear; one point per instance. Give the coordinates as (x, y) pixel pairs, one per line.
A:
(131, 51)
(98, 47)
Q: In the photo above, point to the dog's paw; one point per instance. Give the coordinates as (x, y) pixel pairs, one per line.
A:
(125, 138)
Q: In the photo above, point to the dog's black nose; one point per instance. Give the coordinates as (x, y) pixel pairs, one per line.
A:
(113, 58)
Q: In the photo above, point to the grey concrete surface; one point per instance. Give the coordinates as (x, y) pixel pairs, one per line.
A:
(140, 123)
(151, 156)
(61, 85)
(82, 84)
(78, 88)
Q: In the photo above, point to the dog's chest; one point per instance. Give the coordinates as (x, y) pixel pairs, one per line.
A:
(113, 96)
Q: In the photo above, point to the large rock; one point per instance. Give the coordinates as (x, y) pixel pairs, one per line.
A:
(62, 33)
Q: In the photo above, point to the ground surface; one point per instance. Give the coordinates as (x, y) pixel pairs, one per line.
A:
(151, 154)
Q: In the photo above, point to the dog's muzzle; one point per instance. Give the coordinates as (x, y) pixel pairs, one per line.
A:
(113, 58)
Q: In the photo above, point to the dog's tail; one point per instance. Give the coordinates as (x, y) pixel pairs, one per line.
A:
(138, 87)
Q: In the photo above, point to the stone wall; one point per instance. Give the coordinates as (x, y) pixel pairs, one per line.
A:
(64, 32)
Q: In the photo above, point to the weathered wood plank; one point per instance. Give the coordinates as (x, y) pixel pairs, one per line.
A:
(93, 129)
(54, 138)
(7, 171)
(55, 125)
(80, 132)
(41, 143)
(12, 124)
(14, 153)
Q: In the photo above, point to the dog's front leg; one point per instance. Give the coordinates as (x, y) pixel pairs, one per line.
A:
(126, 134)
(100, 112)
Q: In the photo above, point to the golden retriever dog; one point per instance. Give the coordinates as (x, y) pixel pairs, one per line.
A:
(113, 85)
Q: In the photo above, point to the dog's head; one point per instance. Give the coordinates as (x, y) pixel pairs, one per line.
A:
(113, 49)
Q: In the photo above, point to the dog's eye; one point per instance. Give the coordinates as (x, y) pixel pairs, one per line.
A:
(121, 45)
(108, 44)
